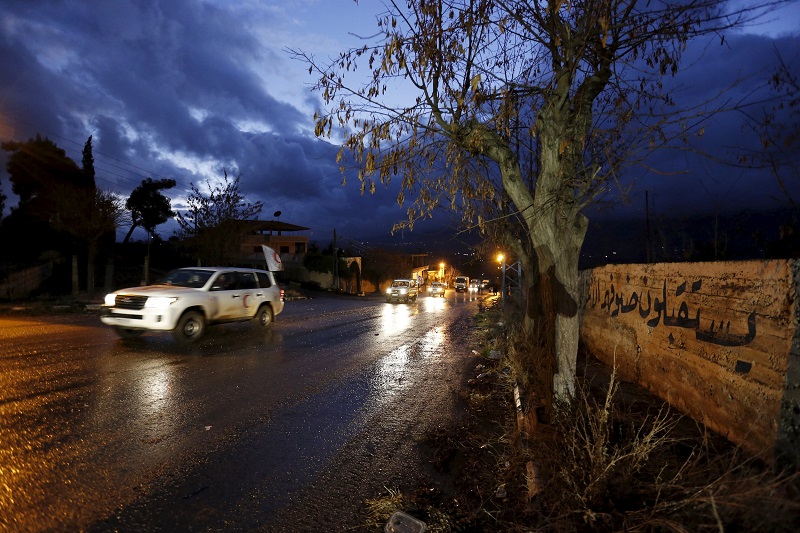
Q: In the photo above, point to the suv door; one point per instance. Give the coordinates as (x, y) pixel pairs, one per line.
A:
(228, 296)
(251, 295)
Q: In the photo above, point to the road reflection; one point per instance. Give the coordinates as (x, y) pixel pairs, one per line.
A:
(467, 296)
(398, 370)
(395, 319)
(391, 368)
(154, 391)
(434, 303)
(431, 342)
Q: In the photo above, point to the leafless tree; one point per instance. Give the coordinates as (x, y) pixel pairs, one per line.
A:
(212, 222)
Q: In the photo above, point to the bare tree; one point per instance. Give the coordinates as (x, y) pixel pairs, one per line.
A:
(575, 87)
(211, 224)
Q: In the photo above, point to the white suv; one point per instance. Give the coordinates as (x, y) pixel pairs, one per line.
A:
(402, 290)
(187, 300)
(437, 288)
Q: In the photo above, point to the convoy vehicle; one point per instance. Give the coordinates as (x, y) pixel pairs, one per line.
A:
(461, 283)
(437, 288)
(188, 300)
(474, 285)
(402, 290)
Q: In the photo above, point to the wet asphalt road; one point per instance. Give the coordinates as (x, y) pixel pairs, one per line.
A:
(285, 431)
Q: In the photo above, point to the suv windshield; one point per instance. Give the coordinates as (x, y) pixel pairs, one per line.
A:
(186, 277)
(400, 284)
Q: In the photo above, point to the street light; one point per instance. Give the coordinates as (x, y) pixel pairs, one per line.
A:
(441, 271)
(502, 260)
(511, 283)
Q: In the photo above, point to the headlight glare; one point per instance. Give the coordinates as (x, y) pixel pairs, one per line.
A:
(159, 302)
(110, 299)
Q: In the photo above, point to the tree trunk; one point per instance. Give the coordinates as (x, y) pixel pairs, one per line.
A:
(146, 270)
(130, 232)
(90, 253)
(552, 321)
(75, 279)
(109, 278)
(556, 229)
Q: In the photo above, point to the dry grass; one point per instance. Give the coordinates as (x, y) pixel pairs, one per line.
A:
(380, 509)
(621, 460)
(614, 459)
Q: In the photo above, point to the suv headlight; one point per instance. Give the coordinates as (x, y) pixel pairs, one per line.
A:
(110, 299)
(159, 302)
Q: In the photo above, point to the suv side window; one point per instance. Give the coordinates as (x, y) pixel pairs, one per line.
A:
(247, 280)
(227, 281)
(263, 280)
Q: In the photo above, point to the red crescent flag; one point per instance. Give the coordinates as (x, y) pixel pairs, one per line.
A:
(273, 258)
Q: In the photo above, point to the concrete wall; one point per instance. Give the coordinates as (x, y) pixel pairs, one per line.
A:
(718, 341)
(20, 284)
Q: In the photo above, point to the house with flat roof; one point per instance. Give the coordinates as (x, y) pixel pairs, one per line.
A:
(289, 240)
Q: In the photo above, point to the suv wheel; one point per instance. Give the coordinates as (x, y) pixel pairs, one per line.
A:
(263, 316)
(190, 328)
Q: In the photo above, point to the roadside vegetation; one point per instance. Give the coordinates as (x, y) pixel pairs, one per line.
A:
(614, 459)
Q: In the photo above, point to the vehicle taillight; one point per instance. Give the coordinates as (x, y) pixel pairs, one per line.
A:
(282, 297)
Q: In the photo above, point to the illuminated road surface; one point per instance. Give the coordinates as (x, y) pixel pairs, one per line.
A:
(288, 430)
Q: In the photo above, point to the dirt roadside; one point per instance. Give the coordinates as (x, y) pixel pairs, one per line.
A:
(625, 461)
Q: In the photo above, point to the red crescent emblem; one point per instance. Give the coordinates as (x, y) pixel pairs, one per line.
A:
(244, 300)
(277, 257)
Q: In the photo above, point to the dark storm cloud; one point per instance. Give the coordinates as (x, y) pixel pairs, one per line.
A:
(184, 89)
(723, 88)
(177, 61)
(177, 89)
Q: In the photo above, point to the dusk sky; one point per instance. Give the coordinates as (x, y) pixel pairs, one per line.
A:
(182, 89)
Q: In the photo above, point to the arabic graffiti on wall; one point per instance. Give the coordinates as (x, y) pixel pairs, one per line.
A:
(717, 340)
(657, 312)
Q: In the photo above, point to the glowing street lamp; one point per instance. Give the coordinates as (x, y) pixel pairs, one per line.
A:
(510, 283)
(502, 260)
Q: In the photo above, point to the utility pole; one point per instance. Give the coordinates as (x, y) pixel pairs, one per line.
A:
(503, 282)
(647, 226)
(335, 262)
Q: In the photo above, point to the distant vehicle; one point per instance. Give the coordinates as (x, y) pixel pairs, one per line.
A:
(437, 289)
(187, 300)
(402, 290)
(485, 284)
(474, 285)
(461, 283)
